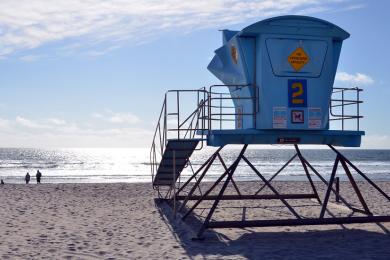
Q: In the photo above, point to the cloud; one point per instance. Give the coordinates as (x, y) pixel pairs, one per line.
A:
(24, 122)
(117, 118)
(56, 121)
(30, 58)
(49, 123)
(26, 24)
(56, 132)
(124, 118)
(4, 123)
(357, 79)
(97, 115)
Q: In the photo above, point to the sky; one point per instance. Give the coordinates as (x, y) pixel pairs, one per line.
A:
(93, 73)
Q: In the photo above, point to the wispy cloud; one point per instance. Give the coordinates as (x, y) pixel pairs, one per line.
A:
(56, 132)
(28, 24)
(117, 118)
(124, 118)
(56, 121)
(25, 122)
(30, 58)
(356, 79)
(4, 123)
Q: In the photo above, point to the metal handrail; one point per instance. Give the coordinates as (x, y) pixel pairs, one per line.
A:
(196, 122)
(221, 96)
(201, 120)
(342, 102)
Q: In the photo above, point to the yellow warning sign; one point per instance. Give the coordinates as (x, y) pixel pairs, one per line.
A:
(298, 59)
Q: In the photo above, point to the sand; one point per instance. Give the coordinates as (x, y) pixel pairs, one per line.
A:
(123, 221)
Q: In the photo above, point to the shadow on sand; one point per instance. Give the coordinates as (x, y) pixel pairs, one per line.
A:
(342, 243)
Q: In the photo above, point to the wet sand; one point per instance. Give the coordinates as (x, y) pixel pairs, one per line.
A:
(123, 221)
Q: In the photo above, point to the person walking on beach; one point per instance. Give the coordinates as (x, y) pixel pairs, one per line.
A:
(27, 178)
(2, 182)
(39, 175)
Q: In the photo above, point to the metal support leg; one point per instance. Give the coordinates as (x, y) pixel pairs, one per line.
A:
(207, 192)
(272, 188)
(326, 183)
(193, 175)
(355, 187)
(325, 204)
(233, 182)
(200, 179)
(216, 202)
(276, 174)
(361, 174)
(307, 173)
(337, 189)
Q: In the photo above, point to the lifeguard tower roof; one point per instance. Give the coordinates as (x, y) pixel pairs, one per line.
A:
(280, 74)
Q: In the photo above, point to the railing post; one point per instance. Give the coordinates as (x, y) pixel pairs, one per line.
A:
(220, 111)
(342, 109)
(254, 105)
(209, 109)
(174, 183)
(358, 110)
(203, 113)
(165, 121)
(178, 114)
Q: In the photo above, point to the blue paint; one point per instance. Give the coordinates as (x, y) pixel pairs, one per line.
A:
(253, 136)
(264, 55)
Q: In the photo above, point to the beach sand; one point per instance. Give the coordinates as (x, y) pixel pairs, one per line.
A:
(123, 221)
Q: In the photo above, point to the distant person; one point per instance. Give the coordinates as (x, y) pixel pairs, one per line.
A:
(27, 178)
(2, 182)
(39, 175)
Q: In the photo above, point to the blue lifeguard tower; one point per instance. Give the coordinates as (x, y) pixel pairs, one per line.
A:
(278, 77)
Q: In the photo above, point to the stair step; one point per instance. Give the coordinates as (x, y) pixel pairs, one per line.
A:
(183, 150)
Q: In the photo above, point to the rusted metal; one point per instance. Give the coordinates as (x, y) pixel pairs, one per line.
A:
(271, 187)
(227, 177)
(355, 187)
(277, 173)
(324, 205)
(361, 173)
(233, 182)
(215, 204)
(200, 178)
(307, 172)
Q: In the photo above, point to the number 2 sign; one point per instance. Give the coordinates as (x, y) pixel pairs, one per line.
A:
(297, 93)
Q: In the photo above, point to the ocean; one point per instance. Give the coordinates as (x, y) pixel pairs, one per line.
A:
(102, 165)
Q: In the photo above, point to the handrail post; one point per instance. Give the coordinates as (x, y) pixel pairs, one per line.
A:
(254, 105)
(165, 121)
(220, 111)
(358, 110)
(174, 183)
(178, 114)
(209, 109)
(342, 109)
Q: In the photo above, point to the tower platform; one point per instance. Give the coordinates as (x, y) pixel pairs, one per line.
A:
(255, 136)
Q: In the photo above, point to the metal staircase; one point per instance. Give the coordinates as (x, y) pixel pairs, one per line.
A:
(175, 139)
(174, 159)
